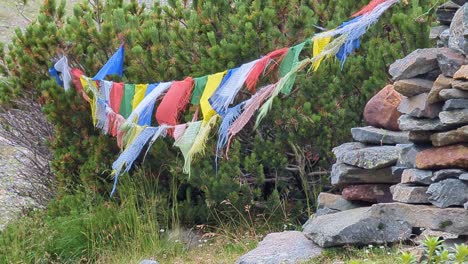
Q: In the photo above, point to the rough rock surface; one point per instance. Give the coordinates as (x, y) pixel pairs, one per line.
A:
(281, 248)
(440, 84)
(408, 154)
(383, 222)
(459, 135)
(418, 106)
(446, 12)
(461, 85)
(372, 193)
(408, 123)
(344, 148)
(450, 62)
(333, 203)
(418, 62)
(412, 87)
(420, 136)
(462, 73)
(360, 226)
(455, 156)
(449, 192)
(447, 174)
(454, 104)
(448, 94)
(458, 25)
(415, 176)
(379, 136)
(410, 194)
(372, 157)
(381, 110)
(463, 177)
(343, 174)
(454, 117)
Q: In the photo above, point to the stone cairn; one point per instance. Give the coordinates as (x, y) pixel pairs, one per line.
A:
(408, 170)
(406, 173)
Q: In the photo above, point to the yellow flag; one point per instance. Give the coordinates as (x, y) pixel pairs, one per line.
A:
(140, 91)
(319, 45)
(211, 84)
(131, 135)
(87, 84)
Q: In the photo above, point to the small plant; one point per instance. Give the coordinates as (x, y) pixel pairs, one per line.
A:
(436, 253)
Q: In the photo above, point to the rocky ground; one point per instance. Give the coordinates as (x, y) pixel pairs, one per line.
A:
(11, 203)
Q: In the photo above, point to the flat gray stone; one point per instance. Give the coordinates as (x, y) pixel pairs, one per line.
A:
(417, 106)
(397, 171)
(450, 61)
(456, 136)
(343, 174)
(454, 117)
(372, 157)
(446, 12)
(333, 203)
(441, 175)
(454, 104)
(449, 192)
(412, 87)
(360, 226)
(463, 177)
(346, 147)
(416, 176)
(418, 62)
(280, 248)
(408, 153)
(448, 94)
(409, 123)
(410, 194)
(420, 136)
(436, 31)
(379, 136)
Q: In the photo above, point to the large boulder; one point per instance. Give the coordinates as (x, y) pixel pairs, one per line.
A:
(383, 223)
(418, 106)
(282, 248)
(412, 87)
(379, 136)
(343, 175)
(381, 110)
(372, 193)
(455, 156)
(440, 84)
(449, 192)
(332, 203)
(372, 157)
(410, 194)
(456, 136)
(418, 62)
(458, 28)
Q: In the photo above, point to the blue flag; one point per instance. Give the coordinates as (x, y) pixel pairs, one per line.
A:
(114, 65)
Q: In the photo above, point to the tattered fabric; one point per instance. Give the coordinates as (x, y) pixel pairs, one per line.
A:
(213, 81)
(200, 84)
(185, 143)
(318, 46)
(368, 8)
(126, 105)
(289, 61)
(174, 102)
(140, 91)
(62, 66)
(116, 96)
(115, 65)
(273, 58)
(76, 79)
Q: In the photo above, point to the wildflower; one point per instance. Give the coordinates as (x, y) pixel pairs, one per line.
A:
(161, 230)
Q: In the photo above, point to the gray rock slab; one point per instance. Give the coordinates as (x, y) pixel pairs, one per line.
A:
(397, 171)
(449, 192)
(372, 157)
(436, 31)
(346, 147)
(450, 61)
(454, 104)
(446, 12)
(343, 174)
(463, 177)
(465, 206)
(360, 226)
(418, 106)
(379, 136)
(416, 176)
(280, 248)
(334, 202)
(448, 94)
(420, 136)
(409, 123)
(410, 194)
(412, 87)
(458, 26)
(454, 117)
(456, 136)
(460, 85)
(408, 154)
(441, 175)
(418, 62)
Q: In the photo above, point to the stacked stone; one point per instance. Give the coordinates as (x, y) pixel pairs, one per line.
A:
(409, 168)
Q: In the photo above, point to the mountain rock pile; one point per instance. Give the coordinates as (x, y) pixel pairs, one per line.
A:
(408, 170)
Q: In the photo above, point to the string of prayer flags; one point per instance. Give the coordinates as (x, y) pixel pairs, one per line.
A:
(142, 113)
(260, 67)
(115, 65)
(146, 113)
(368, 8)
(174, 102)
